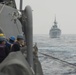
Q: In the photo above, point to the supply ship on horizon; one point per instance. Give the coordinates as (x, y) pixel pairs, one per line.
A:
(55, 32)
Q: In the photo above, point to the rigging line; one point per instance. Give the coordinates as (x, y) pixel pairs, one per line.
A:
(58, 59)
(2, 8)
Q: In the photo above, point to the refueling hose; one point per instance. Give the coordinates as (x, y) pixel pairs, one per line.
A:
(52, 57)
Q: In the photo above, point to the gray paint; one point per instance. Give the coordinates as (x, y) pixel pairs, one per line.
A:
(8, 26)
(15, 64)
(29, 34)
(21, 1)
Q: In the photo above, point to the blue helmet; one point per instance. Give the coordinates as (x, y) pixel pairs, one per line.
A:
(12, 38)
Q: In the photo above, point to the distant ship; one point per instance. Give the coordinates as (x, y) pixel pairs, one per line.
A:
(55, 32)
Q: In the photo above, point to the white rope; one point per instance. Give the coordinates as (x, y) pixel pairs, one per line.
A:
(2, 8)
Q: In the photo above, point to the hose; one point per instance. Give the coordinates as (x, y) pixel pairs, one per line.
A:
(58, 59)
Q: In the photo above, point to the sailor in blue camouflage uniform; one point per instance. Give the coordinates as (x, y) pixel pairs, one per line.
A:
(16, 46)
(4, 50)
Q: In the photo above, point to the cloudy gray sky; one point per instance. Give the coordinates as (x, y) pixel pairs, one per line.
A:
(44, 13)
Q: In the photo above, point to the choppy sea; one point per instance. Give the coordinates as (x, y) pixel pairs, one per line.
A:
(63, 48)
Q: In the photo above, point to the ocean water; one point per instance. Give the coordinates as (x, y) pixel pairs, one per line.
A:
(63, 48)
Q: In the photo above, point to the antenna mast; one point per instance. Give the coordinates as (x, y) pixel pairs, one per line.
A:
(21, 1)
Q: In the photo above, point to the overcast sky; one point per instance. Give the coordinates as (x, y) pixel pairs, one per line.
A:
(44, 13)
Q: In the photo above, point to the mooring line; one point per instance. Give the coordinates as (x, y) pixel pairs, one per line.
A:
(58, 59)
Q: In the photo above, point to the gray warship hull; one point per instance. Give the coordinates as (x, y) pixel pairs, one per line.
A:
(11, 24)
(55, 33)
(7, 24)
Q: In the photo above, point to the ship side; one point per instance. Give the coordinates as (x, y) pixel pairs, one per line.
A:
(12, 23)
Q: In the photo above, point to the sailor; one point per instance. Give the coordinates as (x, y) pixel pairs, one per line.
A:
(10, 42)
(12, 39)
(6, 40)
(35, 50)
(16, 46)
(4, 50)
